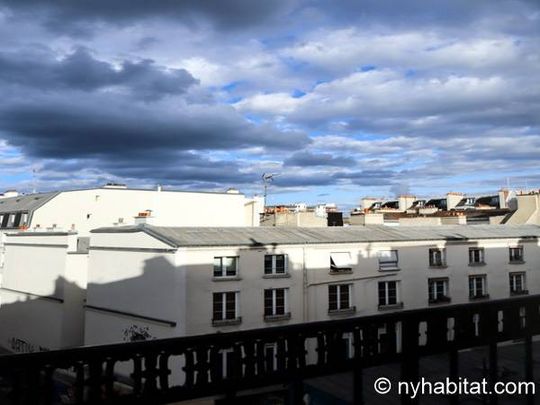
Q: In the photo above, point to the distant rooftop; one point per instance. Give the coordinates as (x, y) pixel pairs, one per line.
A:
(252, 236)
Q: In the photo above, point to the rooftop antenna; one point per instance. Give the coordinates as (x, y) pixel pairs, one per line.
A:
(34, 170)
(267, 178)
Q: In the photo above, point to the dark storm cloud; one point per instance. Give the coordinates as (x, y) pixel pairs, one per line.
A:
(77, 16)
(79, 70)
(174, 168)
(503, 14)
(306, 159)
(76, 125)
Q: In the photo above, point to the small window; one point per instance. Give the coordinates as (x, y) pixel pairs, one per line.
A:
(275, 264)
(388, 260)
(225, 306)
(17, 220)
(275, 302)
(438, 290)
(516, 254)
(340, 262)
(226, 266)
(388, 293)
(437, 257)
(476, 256)
(339, 297)
(478, 286)
(518, 283)
(5, 220)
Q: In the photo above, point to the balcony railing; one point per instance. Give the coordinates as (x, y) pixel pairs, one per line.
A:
(170, 370)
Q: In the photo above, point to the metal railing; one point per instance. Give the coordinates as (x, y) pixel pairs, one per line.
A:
(223, 364)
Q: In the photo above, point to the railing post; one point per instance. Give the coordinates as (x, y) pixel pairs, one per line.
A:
(410, 355)
(530, 311)
(492, 325)
(453, 357)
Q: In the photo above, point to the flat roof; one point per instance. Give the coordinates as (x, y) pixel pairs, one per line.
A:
(263, 236)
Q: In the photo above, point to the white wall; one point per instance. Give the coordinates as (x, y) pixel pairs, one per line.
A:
(37, 267)
(309, 270)
(143, 281)
(89, 209)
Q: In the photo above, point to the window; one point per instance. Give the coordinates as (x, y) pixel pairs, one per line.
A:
(388, 293)
(516, 254)
(339, 297)
(340, 262)
(225, 307)
(275, 303)
(476, 256)
(478, 287)
(275, 264)
(5, 220)
(225, 266)
(437, 257)
(518, 284)
(388, 260)
(438, 290)
(17, 220)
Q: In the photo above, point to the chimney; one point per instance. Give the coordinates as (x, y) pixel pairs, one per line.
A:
(453, 199)
(405, 202)
(503, 198)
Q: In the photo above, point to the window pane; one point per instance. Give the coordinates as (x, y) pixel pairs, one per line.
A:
(217, 267)
(268, 310)
(382, 293)
(344, 297)
(332, 297)
(280, 302)
(218, 306)
(392, 293)
(280, 264)
(268, 264)
(230, 305)
(230, 266)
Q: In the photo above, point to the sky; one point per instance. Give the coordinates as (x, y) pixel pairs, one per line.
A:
(338, 99)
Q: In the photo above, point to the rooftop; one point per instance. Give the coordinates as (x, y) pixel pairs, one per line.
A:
(25, 202)
(253, 236)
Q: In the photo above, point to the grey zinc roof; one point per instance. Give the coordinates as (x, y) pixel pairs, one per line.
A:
(257, 236)
(25, 202)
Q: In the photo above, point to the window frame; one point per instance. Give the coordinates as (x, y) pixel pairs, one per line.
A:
(271, 312)
(432, 262)
(433, 290)
(387, 303)
(511, 257)
(224, 275)
(223, 319)
(334, 269)
(512, 284)
(482, 256)
(273, 269)
(473, 286)
(340, 288)
(393, 265)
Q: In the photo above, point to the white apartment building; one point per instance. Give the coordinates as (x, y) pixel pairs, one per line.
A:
(44, 258)
(155, 282)
(83, 210)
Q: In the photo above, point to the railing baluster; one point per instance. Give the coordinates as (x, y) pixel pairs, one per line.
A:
(410, 358)
(79, 388)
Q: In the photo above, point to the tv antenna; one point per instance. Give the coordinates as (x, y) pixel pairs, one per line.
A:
(267, 179)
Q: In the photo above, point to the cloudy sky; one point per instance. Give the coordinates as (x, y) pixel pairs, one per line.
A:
(341, 99)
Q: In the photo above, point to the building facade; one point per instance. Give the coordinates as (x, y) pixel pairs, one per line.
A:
(162, 282)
